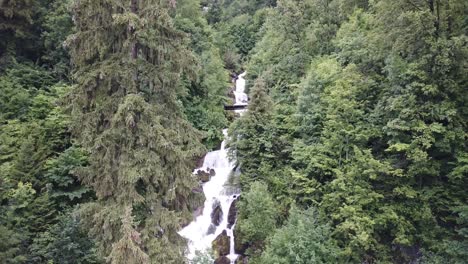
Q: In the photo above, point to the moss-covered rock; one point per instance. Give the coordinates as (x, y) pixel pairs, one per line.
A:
(221, 245)
(222, 260)
(203, 176)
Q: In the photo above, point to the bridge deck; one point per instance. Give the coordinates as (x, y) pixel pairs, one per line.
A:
(234, 107)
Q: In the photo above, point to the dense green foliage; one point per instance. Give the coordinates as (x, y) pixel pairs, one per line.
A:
(259, 212)
(353, 149)
(203, 95)
(96, 138)
(37, 160)
(364, 117)
(301, 240)
(237, 26)
(127, 117)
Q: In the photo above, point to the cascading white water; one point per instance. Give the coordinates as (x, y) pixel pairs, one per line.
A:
(217, 190)
(239, 93)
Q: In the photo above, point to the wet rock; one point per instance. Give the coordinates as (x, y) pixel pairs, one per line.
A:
(221, 244)
(212, 173)
(222, 260)
(217, 214)
(211, 229)
(203, 176)
(232, 215)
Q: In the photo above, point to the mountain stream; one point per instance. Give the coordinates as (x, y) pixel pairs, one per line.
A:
(220, 193)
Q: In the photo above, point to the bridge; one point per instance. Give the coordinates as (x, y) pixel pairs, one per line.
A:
(235, 107)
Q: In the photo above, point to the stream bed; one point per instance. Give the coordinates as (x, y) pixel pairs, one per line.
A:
(219, 215)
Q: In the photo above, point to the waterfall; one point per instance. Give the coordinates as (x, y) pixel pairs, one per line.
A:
(219, 193)
(239, 93)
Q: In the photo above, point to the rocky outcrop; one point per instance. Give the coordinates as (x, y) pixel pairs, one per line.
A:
(221, 245)
(222, 260)
(212, 173)
(203, 176)
(217, 214)
(232, 215)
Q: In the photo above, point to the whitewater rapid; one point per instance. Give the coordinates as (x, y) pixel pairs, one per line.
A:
(218, 190)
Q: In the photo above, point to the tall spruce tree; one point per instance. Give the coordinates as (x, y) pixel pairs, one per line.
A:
(245, 131)
(128, 58)
(16, 18)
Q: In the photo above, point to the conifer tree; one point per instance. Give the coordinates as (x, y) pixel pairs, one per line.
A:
(245, 141)
(128, 58)
(15, 20)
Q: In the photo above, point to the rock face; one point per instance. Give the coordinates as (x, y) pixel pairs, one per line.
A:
(203, 176)
(217, 214)
(221, 245)
(232, 215)
(222, 260)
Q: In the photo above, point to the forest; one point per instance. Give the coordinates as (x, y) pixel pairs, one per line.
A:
(353, 148)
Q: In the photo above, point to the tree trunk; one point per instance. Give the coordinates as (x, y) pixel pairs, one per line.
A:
(134, 48)
(133, 45)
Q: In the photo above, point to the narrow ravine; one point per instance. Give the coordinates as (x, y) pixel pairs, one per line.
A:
(219, 217)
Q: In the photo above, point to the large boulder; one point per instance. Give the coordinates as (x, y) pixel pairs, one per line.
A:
(217, 213)
(222, 260)
(232, 215)
(212, 172)
(203, 176)
(221, 244)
